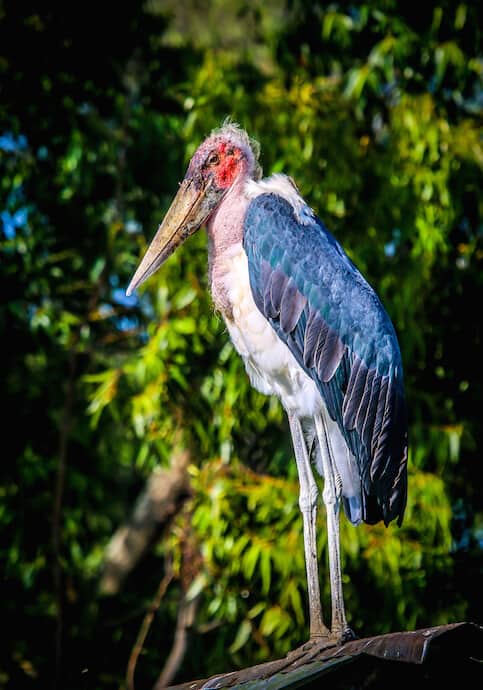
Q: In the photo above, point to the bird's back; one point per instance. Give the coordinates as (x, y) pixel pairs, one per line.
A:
(337, 330)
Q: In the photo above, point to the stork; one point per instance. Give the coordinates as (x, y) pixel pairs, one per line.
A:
(310, 330)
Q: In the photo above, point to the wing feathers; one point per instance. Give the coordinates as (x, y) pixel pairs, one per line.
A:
(368, 423)
(380, 455)
(277, 287)
(365, 399)
(313, 296)
(311, 337)
(379, 416)
(291, 307)
(330, 356)
(355, 391)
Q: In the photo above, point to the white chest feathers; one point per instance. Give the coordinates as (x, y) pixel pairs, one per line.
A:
(273, 370)
(269, 363)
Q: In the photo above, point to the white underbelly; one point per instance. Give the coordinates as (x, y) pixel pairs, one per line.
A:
(272, 368)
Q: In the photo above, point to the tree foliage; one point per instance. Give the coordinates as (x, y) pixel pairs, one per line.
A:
(375, 110)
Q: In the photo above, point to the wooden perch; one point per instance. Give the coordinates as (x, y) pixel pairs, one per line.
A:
(165, 490)
(431, 657)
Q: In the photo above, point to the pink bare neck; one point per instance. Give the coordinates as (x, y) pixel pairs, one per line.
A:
(225, 229)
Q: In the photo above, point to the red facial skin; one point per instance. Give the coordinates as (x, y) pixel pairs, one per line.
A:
(229, 165)
(221, 160)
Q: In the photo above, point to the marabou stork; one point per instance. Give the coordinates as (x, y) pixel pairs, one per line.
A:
(310, 330)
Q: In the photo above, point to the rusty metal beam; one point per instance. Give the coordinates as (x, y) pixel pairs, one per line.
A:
(429, 654)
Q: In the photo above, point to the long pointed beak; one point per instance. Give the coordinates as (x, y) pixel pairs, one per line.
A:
(190, 208)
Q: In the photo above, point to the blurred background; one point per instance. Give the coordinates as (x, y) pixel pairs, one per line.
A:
(140, 472)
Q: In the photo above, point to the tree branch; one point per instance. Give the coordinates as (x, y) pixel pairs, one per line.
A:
(57, 514)
(184, 623)
(165, 491)
(146, 624)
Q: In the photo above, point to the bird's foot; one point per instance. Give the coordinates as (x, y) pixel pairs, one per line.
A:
(314, 645)
(343, 635)
(320, 643)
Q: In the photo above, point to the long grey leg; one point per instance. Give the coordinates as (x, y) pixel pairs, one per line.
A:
(331, 495)
(308, 506)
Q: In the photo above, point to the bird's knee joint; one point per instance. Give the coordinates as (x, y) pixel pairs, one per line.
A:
(329, 496)
(308, 499)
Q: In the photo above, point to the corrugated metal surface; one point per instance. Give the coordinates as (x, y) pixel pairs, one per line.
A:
(430, 655)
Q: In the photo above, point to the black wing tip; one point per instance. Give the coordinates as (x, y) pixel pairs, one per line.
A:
(387, 506)
(375, 512)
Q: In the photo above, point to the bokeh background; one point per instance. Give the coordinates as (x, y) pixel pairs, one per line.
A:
(375, 110)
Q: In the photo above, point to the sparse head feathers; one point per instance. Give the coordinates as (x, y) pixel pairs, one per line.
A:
(232, 132)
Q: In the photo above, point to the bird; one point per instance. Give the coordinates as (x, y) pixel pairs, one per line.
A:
(311, 331)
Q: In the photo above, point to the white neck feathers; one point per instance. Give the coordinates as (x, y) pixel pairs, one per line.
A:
(283, 186)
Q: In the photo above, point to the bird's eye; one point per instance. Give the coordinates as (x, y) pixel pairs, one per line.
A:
(214, 159)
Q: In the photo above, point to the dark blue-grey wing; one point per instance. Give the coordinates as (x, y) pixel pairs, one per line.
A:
(335, 326)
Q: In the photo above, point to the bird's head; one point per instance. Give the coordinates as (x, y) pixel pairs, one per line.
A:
(227, 157)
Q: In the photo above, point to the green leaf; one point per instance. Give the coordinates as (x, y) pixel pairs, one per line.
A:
(97, 269)
(257, 609)
(270, 621)
(250, 558)
(197, 586)
(243, 633)
(265, 570)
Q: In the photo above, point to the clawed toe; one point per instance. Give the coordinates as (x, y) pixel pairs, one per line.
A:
(341, 637)
(313, 645)
(319, 643)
